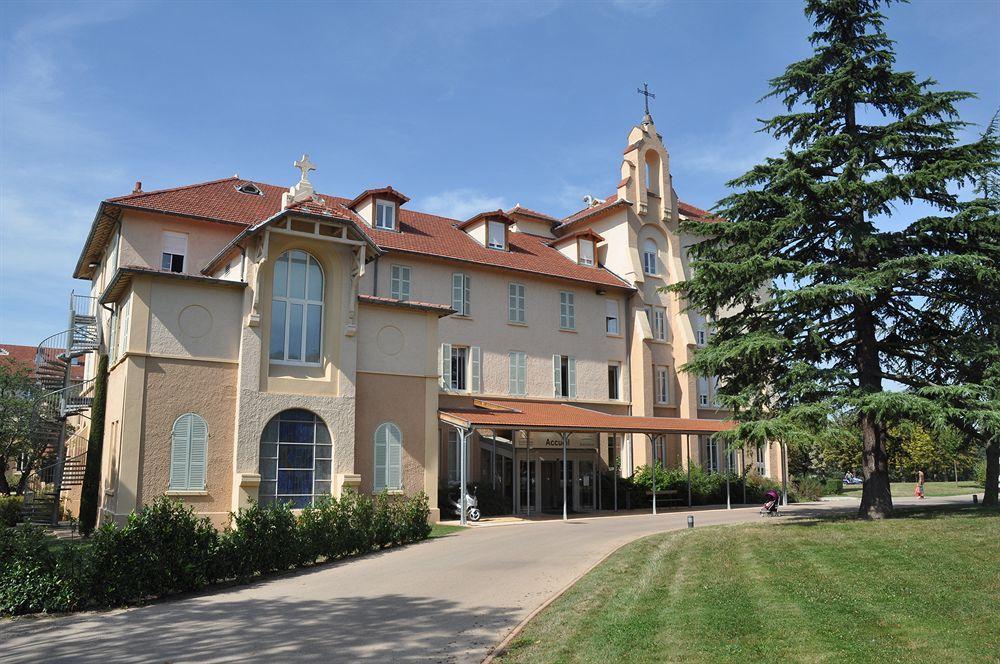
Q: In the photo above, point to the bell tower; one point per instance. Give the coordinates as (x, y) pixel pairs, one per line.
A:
(645, 173)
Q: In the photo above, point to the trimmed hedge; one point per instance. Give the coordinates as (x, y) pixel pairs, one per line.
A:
(706, 488)
(165, 549)
(10, 510)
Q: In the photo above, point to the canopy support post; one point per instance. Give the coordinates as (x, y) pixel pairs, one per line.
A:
(463, 442)
(652, 442)
(729, 503)
(565, 478)
(784, 475)
(688, 437)
(616, 470)
(743, 473)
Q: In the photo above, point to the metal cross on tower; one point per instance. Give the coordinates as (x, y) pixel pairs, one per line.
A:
(648, 95)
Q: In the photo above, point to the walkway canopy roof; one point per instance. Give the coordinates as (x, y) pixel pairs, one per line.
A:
(547, 416)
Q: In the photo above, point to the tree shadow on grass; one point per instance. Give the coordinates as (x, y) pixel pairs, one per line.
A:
(396, 628)
(811, 517)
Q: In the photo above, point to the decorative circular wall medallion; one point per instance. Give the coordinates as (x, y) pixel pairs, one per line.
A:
(390, 340)
(195, 321)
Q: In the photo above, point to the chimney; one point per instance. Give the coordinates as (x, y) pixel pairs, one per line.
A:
(138, 187)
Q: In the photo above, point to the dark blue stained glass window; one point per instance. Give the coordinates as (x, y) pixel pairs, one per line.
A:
(295, 453)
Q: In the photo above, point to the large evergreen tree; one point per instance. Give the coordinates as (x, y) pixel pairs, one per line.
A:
(819, 290)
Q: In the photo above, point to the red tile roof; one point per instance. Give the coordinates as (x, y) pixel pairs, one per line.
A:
(535, 415)
(423, 234)
(24, 356)
(519, 209)
(388, 191)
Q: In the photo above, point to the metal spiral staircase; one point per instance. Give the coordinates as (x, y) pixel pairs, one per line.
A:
(60, 454)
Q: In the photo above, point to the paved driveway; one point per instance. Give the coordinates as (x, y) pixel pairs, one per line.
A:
(445, 600)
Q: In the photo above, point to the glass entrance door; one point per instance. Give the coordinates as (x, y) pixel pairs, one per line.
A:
(528, 478)
(585, 486)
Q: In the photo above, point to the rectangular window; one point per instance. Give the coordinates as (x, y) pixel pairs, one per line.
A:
(567, 311)
(459, 366)
(660, 323)
(564, 376)
(711, 454)
(460, 294)
(611, 317)
(699, 337)
(174, 251)
(614, 380)
(586, 252)
(761, 460)
(662, 385)
(497, 238)
(399, 282)
(715, 392)
(702, 391)
(515, 303)
(517, 373)
(385, 216)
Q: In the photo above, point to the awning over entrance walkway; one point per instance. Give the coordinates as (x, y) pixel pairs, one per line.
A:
(546, 416)
(565, 419)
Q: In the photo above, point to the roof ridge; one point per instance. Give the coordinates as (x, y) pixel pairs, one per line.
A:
(138, 194)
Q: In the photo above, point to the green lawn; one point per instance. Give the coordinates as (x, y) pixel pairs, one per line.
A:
(437, 530)
(923, 588)
(930, 489)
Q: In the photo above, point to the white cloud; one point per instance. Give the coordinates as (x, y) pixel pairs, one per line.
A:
(460, 203)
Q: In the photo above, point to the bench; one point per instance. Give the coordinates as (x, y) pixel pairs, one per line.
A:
(664, 496)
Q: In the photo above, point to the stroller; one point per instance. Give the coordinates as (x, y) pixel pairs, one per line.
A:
(770, 506)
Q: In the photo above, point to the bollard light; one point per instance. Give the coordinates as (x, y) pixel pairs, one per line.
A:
(690, 521)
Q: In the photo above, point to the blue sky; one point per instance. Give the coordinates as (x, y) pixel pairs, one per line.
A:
(462, 106)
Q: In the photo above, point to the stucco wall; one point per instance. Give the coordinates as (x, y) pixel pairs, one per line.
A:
(142, 239)
(194, 320)
(540, 337)
(174, 387)
(396, 399)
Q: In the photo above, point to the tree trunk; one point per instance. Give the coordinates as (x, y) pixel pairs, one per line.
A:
(4, 485)
(992, 472)
(876, 497)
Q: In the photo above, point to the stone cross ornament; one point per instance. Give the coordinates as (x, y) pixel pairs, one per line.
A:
(305, 165)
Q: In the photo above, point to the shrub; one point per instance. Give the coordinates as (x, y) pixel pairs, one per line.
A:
(162, 549)
(265, 539)
(165, 549)
(833, 486)
(808, 488)
(10, 510)
(37, 575)
(979, 473)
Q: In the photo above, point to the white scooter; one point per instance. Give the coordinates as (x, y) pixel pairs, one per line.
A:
(471, 505)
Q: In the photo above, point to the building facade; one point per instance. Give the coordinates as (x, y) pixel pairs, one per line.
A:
(273, 343)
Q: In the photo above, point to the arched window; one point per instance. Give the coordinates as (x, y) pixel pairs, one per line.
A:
(295, 459)
(297, 309)
(652, 172)
(388, 457)
(188, 453)
(649, 251)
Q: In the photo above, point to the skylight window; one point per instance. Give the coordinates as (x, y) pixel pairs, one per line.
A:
(249, 188)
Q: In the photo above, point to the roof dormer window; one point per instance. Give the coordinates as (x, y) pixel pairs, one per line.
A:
(249, 188)
(385, 215)
(497, 235)
(586, 251)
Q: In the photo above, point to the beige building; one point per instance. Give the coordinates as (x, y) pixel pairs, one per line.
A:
(274, 343)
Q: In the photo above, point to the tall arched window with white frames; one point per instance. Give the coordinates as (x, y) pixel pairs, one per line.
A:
(297, 309)
(649, 252)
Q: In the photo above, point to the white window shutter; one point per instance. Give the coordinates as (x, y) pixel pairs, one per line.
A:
(394, 441)
(446, 366)
(180, 442)
(571, 373)
(458, 293)
(522, 373)
(175, 243)
(406, 283)
(475, 369)
(557, 375)
(466, 303)
(198, 451)
(512, 373)
(381, 456)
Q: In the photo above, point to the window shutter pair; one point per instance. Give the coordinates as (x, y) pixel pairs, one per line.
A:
(188, 453)
(557, 385)
(517, 373)
(475, 368)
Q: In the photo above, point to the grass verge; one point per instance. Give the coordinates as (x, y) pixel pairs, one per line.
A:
(931, 489)
(438, 530)
(920, 587)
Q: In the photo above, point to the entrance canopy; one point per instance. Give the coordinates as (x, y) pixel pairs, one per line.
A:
(565, 418)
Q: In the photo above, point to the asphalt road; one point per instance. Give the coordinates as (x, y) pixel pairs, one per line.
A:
(445, 600)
